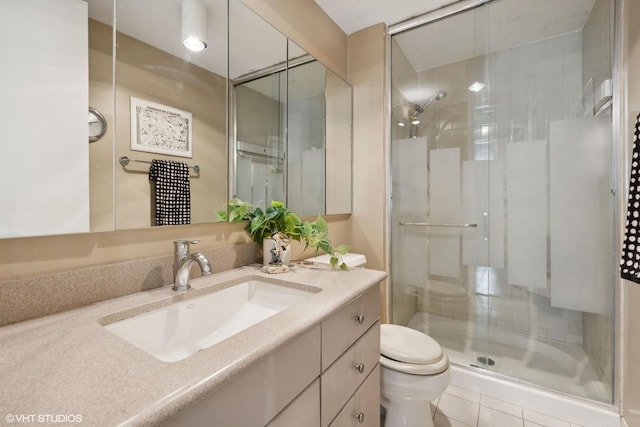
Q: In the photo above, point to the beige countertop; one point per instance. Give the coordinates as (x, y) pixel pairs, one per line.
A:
(67, 365)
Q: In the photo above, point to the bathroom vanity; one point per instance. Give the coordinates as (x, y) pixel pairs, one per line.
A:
(308, 381)
(314, 363)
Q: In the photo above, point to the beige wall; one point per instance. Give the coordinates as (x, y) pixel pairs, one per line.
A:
(35, 256)
(367, 75)
(101, 151)
(304, 22)
(630, 291)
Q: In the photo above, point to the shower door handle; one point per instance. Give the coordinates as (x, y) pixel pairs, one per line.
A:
(437, 224)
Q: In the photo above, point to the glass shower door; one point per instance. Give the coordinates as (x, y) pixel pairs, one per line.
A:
(502, 201)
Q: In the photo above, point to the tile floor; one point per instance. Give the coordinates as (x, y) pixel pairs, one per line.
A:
(458, 407)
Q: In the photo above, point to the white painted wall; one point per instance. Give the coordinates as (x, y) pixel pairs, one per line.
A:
(44, 132)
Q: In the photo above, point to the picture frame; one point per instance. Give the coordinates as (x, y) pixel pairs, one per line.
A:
(161, 129)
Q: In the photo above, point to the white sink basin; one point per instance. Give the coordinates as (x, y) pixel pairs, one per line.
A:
(181, 329)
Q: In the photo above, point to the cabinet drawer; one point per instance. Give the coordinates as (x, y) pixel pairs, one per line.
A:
(304, 411)
(264, 390)
(363, 410)
(342, 379)
(345, 326)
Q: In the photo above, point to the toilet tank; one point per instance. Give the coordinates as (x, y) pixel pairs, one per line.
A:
(352, 260)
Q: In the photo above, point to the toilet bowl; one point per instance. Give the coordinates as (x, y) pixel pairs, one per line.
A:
(414, 371)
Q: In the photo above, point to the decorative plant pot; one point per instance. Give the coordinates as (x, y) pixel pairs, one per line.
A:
(276, 252)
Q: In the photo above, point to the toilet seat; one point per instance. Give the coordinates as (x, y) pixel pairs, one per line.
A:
(413, 352)
(407, 368)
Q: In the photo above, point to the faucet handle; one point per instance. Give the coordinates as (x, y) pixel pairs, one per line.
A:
(182, 246)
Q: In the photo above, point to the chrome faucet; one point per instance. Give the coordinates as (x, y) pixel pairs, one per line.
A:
(182, 261)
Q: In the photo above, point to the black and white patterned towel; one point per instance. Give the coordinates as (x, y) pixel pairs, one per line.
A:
(172, 192)
(630, 262)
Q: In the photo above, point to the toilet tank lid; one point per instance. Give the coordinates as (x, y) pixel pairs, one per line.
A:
(352, 260)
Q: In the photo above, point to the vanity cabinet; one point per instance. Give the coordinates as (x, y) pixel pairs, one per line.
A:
(327, 376)
(363, 409)
(303, 411)
(350, 355)
(263, 391)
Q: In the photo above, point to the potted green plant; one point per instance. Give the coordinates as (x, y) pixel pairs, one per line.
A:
(282, 225)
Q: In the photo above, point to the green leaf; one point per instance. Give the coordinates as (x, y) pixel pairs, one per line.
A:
(321, 224)
(277, 218)
(271, 213)
(221, 216)
(344, 267)
(343, 249)
(325, 245)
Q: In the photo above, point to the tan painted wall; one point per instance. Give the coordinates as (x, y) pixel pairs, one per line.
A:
(101, 151)
(304, 22)
(367, 75)
(630, 291)
(35, 256)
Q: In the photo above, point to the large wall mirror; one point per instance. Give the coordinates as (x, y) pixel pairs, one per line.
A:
(291, 127)
(138, 77)
(171, 104)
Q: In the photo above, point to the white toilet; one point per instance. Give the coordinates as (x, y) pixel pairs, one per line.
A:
(414, 371)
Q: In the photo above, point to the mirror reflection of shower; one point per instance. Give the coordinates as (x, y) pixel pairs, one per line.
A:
(418, 110)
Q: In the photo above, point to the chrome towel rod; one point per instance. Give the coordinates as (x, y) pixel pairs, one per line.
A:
(124, 161)
(437, 224)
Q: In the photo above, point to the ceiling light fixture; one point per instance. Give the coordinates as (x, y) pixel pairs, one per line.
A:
(194, 25)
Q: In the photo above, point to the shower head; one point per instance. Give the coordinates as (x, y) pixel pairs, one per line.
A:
(435, 97)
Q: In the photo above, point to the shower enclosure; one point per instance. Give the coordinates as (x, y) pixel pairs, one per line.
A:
(502, 219)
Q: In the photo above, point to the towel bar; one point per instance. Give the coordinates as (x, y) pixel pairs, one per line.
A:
(437, 224)
(124, 161)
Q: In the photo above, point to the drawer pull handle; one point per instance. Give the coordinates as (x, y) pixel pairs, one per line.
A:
(360, 318)
(360, 367)
(360, 417)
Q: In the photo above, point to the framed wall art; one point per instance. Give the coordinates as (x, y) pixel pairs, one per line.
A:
(157, 128)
